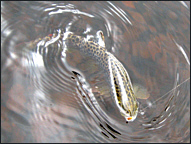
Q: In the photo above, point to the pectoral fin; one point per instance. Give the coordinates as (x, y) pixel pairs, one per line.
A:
(140, 91)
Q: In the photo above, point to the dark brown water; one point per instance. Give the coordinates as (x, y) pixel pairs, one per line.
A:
(58, 94)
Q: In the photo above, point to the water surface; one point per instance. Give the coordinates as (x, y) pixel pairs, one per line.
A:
(59, 94)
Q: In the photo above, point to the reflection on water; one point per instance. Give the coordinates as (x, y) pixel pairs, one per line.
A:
(52, 92)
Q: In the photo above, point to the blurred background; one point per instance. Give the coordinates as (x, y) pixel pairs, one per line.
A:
(56, 93)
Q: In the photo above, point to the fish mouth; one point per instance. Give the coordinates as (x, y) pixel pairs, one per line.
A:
(131, 118)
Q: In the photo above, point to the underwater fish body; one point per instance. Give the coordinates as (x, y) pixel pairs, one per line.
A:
(118, 77)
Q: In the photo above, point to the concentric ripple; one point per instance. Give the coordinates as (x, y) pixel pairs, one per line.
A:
(53, 92)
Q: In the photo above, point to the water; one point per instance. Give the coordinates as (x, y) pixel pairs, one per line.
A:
(58, 94)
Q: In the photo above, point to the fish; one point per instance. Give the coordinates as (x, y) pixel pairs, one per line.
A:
(121, 86)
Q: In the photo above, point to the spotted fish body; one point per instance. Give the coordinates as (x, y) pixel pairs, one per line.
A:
(122, 89)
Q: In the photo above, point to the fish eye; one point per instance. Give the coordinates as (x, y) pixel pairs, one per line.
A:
(127, 111)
